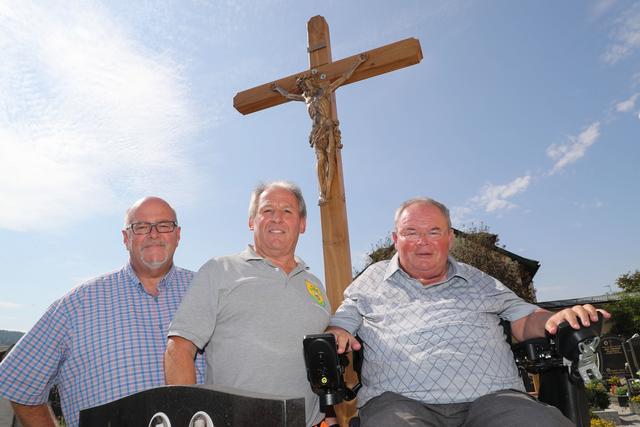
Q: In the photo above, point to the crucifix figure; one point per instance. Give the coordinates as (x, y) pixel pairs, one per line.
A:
(325, 133)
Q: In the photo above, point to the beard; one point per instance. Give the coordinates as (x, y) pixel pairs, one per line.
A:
(155, 264)
(151, 264)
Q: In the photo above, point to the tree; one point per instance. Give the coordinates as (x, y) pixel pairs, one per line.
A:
(626, 311)
(626, 315)
(478, 247)
(629, 282)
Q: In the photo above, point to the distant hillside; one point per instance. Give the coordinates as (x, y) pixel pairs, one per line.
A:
(9, 337)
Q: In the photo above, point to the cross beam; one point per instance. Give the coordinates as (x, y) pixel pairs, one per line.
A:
(381, 60)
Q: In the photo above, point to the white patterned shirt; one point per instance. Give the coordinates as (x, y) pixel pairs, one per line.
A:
(440, 343)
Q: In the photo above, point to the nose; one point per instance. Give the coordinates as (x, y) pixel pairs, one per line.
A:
(423, 240)
(277, 215)
(154, 231)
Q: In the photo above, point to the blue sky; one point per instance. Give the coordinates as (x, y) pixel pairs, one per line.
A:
(522, 115)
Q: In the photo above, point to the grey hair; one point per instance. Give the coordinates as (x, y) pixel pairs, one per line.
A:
(287, 185)
(128, 216)
(424, 201)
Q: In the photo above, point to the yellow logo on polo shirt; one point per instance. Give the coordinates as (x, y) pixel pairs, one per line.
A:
(315, 292)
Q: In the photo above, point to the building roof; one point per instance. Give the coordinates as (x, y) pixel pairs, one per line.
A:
(593, 300)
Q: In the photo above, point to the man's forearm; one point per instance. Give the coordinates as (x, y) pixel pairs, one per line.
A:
(34, 415)
(531, 326)
(534, 327)
(179, 363)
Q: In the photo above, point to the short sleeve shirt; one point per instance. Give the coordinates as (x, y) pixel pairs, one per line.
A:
(250, 317)
(440, 343)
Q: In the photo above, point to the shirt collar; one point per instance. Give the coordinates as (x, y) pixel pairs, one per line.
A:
(133, 277)
(249, 254)
(392, 267)
(453, 269)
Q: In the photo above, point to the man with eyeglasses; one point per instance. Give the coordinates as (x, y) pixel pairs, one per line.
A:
(106, 338)
(250, 311)
(435, 353)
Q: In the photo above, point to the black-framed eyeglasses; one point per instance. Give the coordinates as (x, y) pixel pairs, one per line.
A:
(142, 228)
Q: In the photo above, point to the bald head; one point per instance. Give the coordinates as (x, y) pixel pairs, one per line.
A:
(423, 201)
(151, 250)
(130, 215)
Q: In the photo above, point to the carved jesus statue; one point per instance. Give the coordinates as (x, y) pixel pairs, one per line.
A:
(325, 133)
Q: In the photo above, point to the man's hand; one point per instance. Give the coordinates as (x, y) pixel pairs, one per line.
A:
(344, 340)
(586, 313)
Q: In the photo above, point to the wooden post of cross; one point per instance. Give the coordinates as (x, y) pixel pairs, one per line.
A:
(333, 210)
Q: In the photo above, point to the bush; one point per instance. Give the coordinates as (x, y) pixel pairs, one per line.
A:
(621, 390)
(598, 422)
(597, 396)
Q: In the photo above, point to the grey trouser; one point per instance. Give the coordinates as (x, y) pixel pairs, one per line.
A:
(502, 408)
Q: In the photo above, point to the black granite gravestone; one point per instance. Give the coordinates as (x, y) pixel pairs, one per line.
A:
(632, 347)
(613, 357)
(196, 406)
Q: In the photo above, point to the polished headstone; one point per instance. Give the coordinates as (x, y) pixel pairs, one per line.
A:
(183, 405)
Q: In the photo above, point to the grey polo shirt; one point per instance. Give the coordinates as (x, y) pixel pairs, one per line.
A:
(250, 317)
(440, 343)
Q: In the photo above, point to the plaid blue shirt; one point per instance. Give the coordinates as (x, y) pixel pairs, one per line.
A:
(102, 341)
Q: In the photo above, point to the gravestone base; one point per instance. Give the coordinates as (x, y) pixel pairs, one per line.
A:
(181, 405)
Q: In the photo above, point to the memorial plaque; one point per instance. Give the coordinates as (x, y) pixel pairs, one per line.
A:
(187, 406)
(613, 357)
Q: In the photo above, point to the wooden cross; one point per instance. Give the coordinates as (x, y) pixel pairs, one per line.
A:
(333, 213)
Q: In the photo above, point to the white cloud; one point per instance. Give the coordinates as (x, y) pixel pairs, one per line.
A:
(593, 204)
(5, 305)
(625, 35)
(460, 215)
(87, 113)
(494, 197)
(574, 149)
(628, 105)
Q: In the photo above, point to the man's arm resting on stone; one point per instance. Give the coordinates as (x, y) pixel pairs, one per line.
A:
(535, 324)
(35, 415)
(179, 361)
